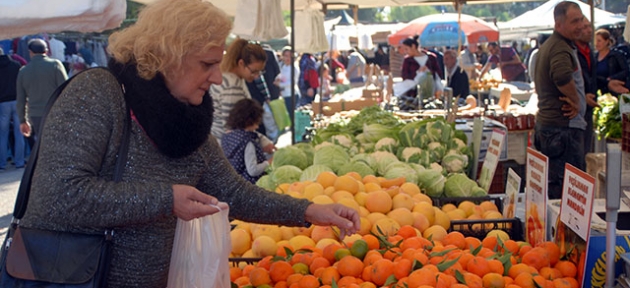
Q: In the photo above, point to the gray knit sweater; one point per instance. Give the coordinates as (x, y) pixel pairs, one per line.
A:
(73, 190)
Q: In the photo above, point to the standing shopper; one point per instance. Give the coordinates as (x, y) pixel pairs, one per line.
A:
(560, 124)
(611, 65)
(309, 79)
(588, 66)
(36, 82)
(174, 169)
(284, 80)
(9, 70)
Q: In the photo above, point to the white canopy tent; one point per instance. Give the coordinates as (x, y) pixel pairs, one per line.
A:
(528, 24)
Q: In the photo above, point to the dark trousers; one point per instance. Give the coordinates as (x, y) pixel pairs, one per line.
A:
(562, 145)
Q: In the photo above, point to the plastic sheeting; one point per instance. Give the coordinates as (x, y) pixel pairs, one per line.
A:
(26, 17)
(259, 20)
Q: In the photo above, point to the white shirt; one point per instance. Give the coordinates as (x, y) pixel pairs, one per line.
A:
(57, 49)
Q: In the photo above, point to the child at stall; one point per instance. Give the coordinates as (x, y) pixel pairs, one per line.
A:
(241, 144)
(326, 84)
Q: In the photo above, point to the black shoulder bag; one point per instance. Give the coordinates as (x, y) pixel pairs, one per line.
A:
(44, 258)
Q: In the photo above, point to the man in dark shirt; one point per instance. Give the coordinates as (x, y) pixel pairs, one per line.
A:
(456, 78)
(506, 58)
(588, 65)
(560, 124)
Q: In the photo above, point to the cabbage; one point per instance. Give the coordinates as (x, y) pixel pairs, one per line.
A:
(332, 156)
(365, 158)
(417, 167)
(289, 155)
(386, 144)
(357, 166)
(308, 150)
(286, 174)
(266, 183)
(454, 163)
(459, 185)
(321, 145)
(311, 172)
(402, 171)
(383, 158)
(431, 182)
(375, 132)
(478, 192)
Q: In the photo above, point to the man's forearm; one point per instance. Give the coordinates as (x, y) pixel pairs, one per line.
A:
(570, 90)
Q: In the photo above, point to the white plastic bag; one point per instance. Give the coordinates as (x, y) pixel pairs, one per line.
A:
(200, 253)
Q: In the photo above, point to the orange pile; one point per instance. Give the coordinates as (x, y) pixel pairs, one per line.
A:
(406, 260)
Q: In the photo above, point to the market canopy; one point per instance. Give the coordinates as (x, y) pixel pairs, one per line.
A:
(442, 30)
(528, 24)
(25, 17)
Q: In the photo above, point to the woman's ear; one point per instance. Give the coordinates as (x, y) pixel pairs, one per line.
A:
(241, 63)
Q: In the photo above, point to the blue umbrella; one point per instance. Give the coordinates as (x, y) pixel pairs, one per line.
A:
(441, 34)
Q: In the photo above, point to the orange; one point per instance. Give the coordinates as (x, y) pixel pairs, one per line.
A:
(346, 183)
(472, 280)
(553, 251)
(566, 268)
(265, 262)
(366, 275)
(371, 257)
(464, 258)
(493, 280)
(235, 273)
(354, 175)
(490, 242)
(326, 178)
(412, 243)
(381, 270)
(455, 238)
(372, 241)
(537, 258)
(281, 284)
(280, 271)
(421, 277)
(566, 282)
(329, 274)
(444, 280)
(402, 268)
(517, 269)
(294, 278)
(511, 246)
(407, 231)
(525, 280)
(307, 281)
(318, 262)
(242, 281)
(378, 201)
(346, 281)
(472, 243)
(496, 266)
(550, 273)
(329, 252)
(478, 266)
(350, 266)
(370, 179)
(247, 269)
(259, 276)
(524, 250)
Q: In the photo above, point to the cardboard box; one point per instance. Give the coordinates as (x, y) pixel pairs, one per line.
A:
(332, 107)
(596, 257)
(372, 93)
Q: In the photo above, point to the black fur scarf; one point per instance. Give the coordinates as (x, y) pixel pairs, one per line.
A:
(176, 128)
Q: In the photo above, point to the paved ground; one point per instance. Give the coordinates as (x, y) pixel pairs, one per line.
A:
(9, 183)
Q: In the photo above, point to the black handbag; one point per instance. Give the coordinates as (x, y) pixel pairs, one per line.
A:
(44, 258)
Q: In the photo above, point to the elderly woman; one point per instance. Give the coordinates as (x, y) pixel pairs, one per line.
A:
(611, 65)
(174, 168)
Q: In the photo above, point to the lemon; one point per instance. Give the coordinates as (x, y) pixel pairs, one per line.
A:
(359, 249)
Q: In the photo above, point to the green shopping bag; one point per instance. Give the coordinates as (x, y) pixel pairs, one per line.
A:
(280, 113)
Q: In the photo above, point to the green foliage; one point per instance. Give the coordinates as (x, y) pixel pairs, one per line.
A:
(408, 13)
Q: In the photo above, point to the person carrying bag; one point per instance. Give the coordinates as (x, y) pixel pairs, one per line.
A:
(34, 257)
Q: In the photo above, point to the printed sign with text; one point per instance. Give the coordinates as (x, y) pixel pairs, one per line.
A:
(536, 197)
(512, 186)
(492, 159)
(573, 227)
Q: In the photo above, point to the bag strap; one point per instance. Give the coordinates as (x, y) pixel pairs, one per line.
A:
(21, 201)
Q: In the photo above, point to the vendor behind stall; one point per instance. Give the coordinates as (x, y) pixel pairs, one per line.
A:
(505, 58)
(456, 78)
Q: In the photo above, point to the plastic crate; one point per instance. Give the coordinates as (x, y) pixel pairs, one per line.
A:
(250, 261)
(441, 201)
(479, 228)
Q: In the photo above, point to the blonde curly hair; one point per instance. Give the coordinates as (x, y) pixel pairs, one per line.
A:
(166, 31)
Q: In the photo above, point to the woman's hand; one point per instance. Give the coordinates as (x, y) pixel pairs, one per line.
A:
(310, 92)
(347, 219)
(25, 128)
(190, 203)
